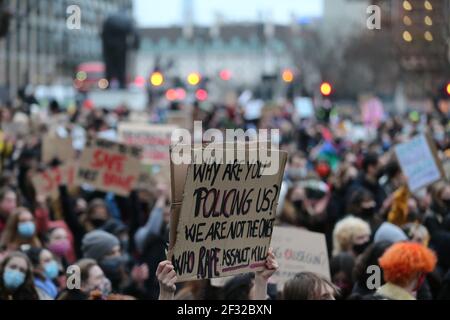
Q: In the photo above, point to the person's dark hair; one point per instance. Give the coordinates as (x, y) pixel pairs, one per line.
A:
(392, 169)
(239, 287)
(297, 154)
(356, 198)
(368, 258)
(343, 262)
(95, 203)
(26, 291)
(34, 255)
(444, 293)
(370, 159)
(85, 266)
(306, 286)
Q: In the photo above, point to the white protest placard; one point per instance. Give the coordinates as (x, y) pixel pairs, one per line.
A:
(304, 107)
(109, 166)
(253, 109)
(153, 138)
(298, 250)
(225, 220)
(418, 162)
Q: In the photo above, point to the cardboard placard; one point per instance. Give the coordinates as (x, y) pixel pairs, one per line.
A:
(419, 163)
(181, 119)
(298, 250)
(109, 166)
(154, 139)
(56, 147)
(47, 182)
(446, 166)
(225, 220)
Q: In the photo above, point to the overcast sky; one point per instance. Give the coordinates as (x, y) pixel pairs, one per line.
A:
(169, 12)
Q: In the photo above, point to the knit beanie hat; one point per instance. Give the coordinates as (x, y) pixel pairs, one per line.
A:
(389, 232)
(98, 244)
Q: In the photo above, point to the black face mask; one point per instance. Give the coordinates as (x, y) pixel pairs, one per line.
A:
(359, 248)
(97, 223)
(298, 204)
(113, 268)
(368, 212)
(446, 203)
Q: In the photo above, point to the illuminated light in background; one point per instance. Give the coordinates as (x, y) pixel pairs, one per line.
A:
(407, 36)
(139, 81)
(194, 78)
(428, 21)
(407, 21)
(225, 75)
(287, 76)
(325, 89)
(201, 94)
(103, 84)
(171, 95)
(428, 5)
(447, 88)
(407, 5)
(81, 75)
(414, 116)
(428, 36)
(181, 93)
(156, 79)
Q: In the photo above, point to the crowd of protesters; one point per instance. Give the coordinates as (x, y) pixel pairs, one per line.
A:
(349, 188)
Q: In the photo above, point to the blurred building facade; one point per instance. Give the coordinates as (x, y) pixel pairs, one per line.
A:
(343, 18)
(420, 33)
(247, 51)
(39, 47)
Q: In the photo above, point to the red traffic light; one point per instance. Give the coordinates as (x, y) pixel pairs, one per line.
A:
(326, 89)
(225, 75)
(201, 94)
(171, 95)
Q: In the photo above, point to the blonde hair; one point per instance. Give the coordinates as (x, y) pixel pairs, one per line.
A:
(346, 230)
(417, 230)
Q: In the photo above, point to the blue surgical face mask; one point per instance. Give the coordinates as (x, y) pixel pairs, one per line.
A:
(26, 229)
(51, 269)
(13, 279)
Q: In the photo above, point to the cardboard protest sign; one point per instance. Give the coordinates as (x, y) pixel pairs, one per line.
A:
(419, 162)
(56, 147)
(47, 182)
(109, 166)
(298, 250)
(446, 166)
(154, 139)
(181, 119)
(224, 222)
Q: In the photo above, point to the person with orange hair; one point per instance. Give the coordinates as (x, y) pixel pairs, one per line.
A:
(405, 266)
